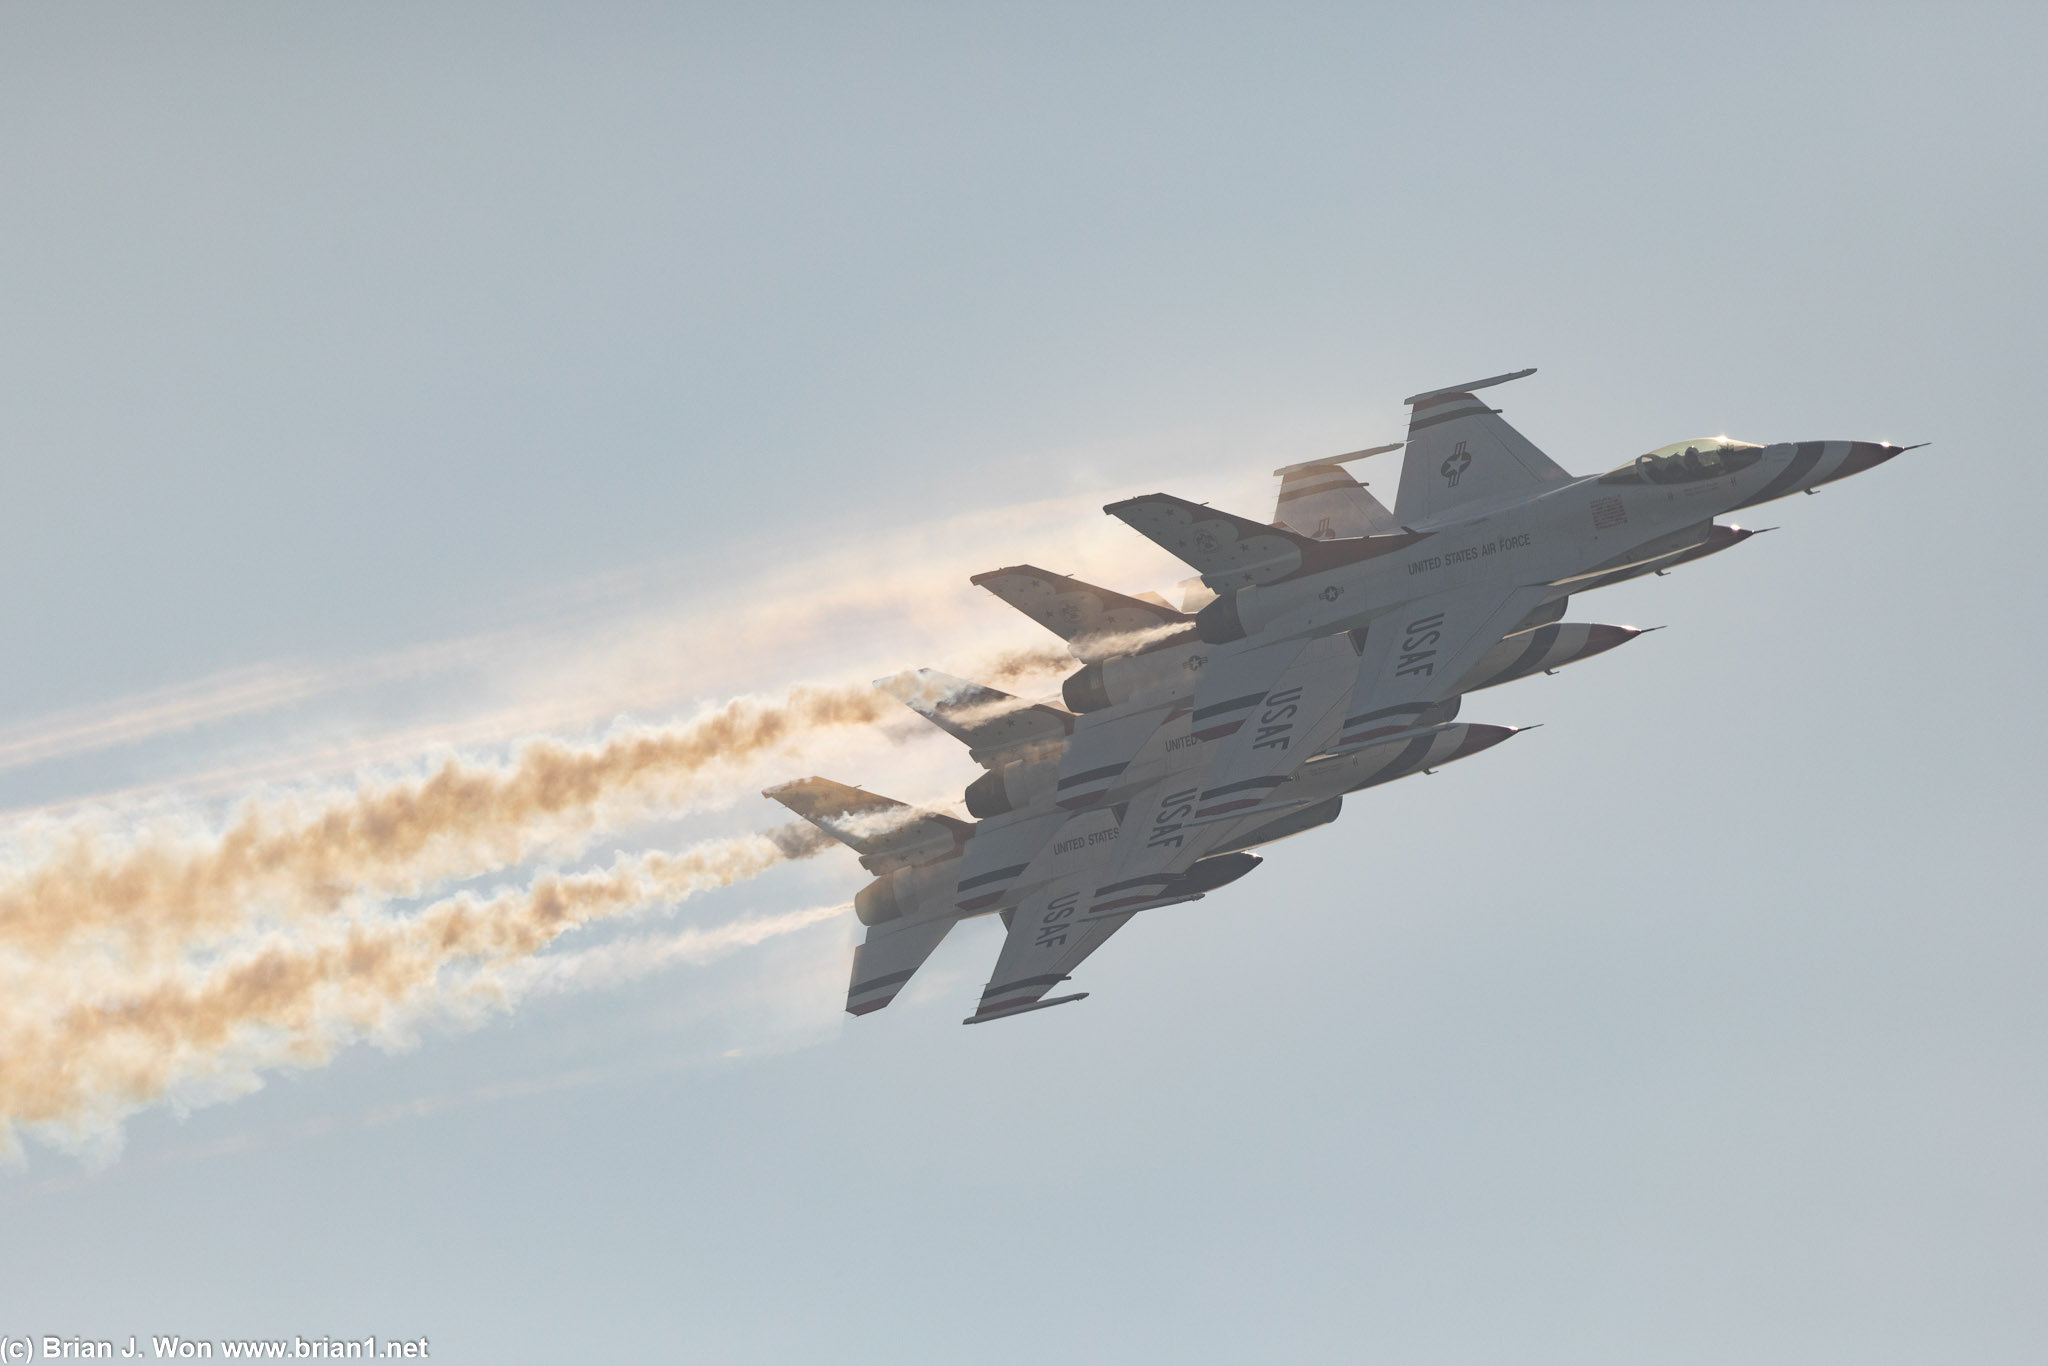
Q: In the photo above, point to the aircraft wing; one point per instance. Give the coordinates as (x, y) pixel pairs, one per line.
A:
(1095, 622)
(1415, 656)
(1266, 710)
(886, 959)
(999, 855)
(1105, 745)
(1157, 842)
(1047, 941)
(885, 833)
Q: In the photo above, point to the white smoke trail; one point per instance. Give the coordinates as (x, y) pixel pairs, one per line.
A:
(1120, 644)
(85, 729)
(631, 959)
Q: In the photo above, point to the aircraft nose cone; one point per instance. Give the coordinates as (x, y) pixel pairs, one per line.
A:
(1865, 455)
(1601, 637)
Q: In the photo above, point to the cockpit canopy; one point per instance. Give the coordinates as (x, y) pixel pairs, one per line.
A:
(1686, 462)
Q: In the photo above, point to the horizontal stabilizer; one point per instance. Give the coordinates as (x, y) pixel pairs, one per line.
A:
(887, 834)
(991, 724)
(1095, 622)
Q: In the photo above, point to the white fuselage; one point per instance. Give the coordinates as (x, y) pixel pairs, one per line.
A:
(1570, 531)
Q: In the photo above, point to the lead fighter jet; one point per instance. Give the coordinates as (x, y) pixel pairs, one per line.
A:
(1488, 537)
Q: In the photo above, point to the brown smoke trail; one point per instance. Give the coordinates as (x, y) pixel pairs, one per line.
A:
(158, 896)
(129, 967)
(76, 1065)
(398, 838)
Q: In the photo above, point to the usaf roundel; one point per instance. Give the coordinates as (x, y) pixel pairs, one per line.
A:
(1455, 464)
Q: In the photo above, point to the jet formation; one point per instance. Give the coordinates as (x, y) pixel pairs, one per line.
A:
(1315, 656)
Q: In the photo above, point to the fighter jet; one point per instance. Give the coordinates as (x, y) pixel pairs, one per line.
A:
(1319, 654)
(1052, 862)
(1065, 876)
(1081, 884)
(1463, 581)
(1137, 749)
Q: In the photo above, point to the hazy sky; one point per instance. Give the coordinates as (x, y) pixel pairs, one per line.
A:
(389, 377)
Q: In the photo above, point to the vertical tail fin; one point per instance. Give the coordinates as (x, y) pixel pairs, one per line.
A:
(1320, 499)
(1460, 452)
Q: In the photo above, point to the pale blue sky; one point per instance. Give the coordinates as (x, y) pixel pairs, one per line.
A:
(1703, 1024)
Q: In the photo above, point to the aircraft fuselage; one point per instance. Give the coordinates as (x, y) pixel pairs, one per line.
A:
(1569, 534)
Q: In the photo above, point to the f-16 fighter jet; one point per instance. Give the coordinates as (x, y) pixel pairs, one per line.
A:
(1191, 739)
(1462, 582)
(1066, 898)
(1059, 868)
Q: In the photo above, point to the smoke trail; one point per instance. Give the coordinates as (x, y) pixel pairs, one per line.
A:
(1122, 644)
(132, 966)
(78, 1062)
(1011, 665)
(629, 960)
(612, 643)
(168, 710)
(158, 895)
(396, 839)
